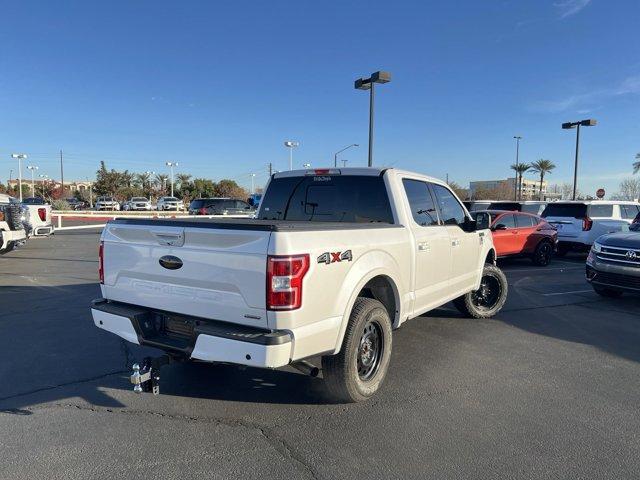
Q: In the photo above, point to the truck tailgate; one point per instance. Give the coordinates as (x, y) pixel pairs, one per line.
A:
(222, 275)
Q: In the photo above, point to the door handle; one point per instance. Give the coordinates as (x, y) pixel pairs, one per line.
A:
(423, 246)
(455, 242)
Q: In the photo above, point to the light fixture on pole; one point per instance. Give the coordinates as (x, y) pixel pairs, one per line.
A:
(567, 126)
(306, 165)
(149, 173)
(33, 169)
(518, 138)
(335, 155)
(19, 157)
(44, 178)
(368, 84)
(91, 193)
(290, 144)
(171, 165)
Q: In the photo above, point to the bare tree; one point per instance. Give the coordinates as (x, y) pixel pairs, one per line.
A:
(629, 189)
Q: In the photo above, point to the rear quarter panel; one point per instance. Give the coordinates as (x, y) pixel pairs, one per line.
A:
(330, 290)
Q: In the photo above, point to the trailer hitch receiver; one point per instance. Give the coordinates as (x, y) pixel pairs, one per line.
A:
(146, 377)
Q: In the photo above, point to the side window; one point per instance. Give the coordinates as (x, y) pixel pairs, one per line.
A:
(525, 221)
(508, 221)
(421, 203)
(596, 210)
(451, 211)
(629, 212)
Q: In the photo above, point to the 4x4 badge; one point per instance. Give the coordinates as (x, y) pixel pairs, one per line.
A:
(332, 257)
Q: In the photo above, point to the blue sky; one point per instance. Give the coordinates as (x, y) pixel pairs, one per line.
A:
(218, 86)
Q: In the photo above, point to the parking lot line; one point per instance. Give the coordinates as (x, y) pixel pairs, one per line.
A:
(566, 293)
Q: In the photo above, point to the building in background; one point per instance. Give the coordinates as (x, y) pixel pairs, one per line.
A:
(505, 189)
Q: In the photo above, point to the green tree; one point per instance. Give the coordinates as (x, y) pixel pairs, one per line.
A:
(542, 167)
(183, 180)
(520, 169)
(229, 188)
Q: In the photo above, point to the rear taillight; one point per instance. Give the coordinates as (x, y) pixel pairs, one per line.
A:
(203, 211)
(42, 213)
(284, 281)
(587, 223)
(101, 262)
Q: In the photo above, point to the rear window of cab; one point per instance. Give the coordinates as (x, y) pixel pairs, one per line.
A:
(327, 198)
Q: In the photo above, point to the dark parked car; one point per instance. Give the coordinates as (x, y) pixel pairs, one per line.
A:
(76, 204)
(34, 201)
(219, 206)
(613, 264)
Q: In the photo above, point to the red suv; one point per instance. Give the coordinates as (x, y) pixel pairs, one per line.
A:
(523, 234)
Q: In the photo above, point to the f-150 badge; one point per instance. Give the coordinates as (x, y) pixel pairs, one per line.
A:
(332, 257)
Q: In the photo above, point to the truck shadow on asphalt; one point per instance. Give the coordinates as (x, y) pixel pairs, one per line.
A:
(57, 354)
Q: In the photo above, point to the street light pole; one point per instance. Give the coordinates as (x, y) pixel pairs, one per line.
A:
(518, 138)
(253, 190)
(33, 168)
(290, 144)
(335, 155)
(20, 157)
(44, 178)
(368, 84)
(590, 122)
(171, 165)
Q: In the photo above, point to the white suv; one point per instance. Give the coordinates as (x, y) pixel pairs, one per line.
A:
(170, 203)
(579, 223)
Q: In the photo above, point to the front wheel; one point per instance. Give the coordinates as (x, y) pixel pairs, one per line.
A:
(489, 299)
(358, 370)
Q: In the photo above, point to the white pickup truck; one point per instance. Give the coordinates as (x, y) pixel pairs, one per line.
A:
(12, 232)
(335, 260)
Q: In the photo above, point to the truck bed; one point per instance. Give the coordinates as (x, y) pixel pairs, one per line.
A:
(250, 224)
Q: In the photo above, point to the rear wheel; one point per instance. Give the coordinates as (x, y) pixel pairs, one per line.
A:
(358, 370)
(489, 299)
(543, 253)
(607, 292)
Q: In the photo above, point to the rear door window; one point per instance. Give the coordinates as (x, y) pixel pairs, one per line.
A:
(423, 208)
(451, 212)
(525, 221)
(596, 210)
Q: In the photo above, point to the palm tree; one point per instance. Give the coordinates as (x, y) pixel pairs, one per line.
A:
(143, 179)
(520, 170)
(636, 164)
(161, 181)
(183, 179)
(543, 166)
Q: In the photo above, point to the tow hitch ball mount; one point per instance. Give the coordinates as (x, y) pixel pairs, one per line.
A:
(146, 377)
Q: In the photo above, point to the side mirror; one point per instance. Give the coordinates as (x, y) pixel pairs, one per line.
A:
(483, 220)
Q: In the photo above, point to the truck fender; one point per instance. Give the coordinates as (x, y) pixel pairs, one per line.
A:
(373, 264)
(488, 255)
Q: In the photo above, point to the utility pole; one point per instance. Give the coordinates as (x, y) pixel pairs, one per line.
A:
(270, 169)
(61, 174)
(368, 84)
(518, 138)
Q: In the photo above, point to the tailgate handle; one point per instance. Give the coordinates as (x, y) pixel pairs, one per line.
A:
(169, 239)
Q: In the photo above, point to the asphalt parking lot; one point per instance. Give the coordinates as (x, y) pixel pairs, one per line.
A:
(548, 389)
